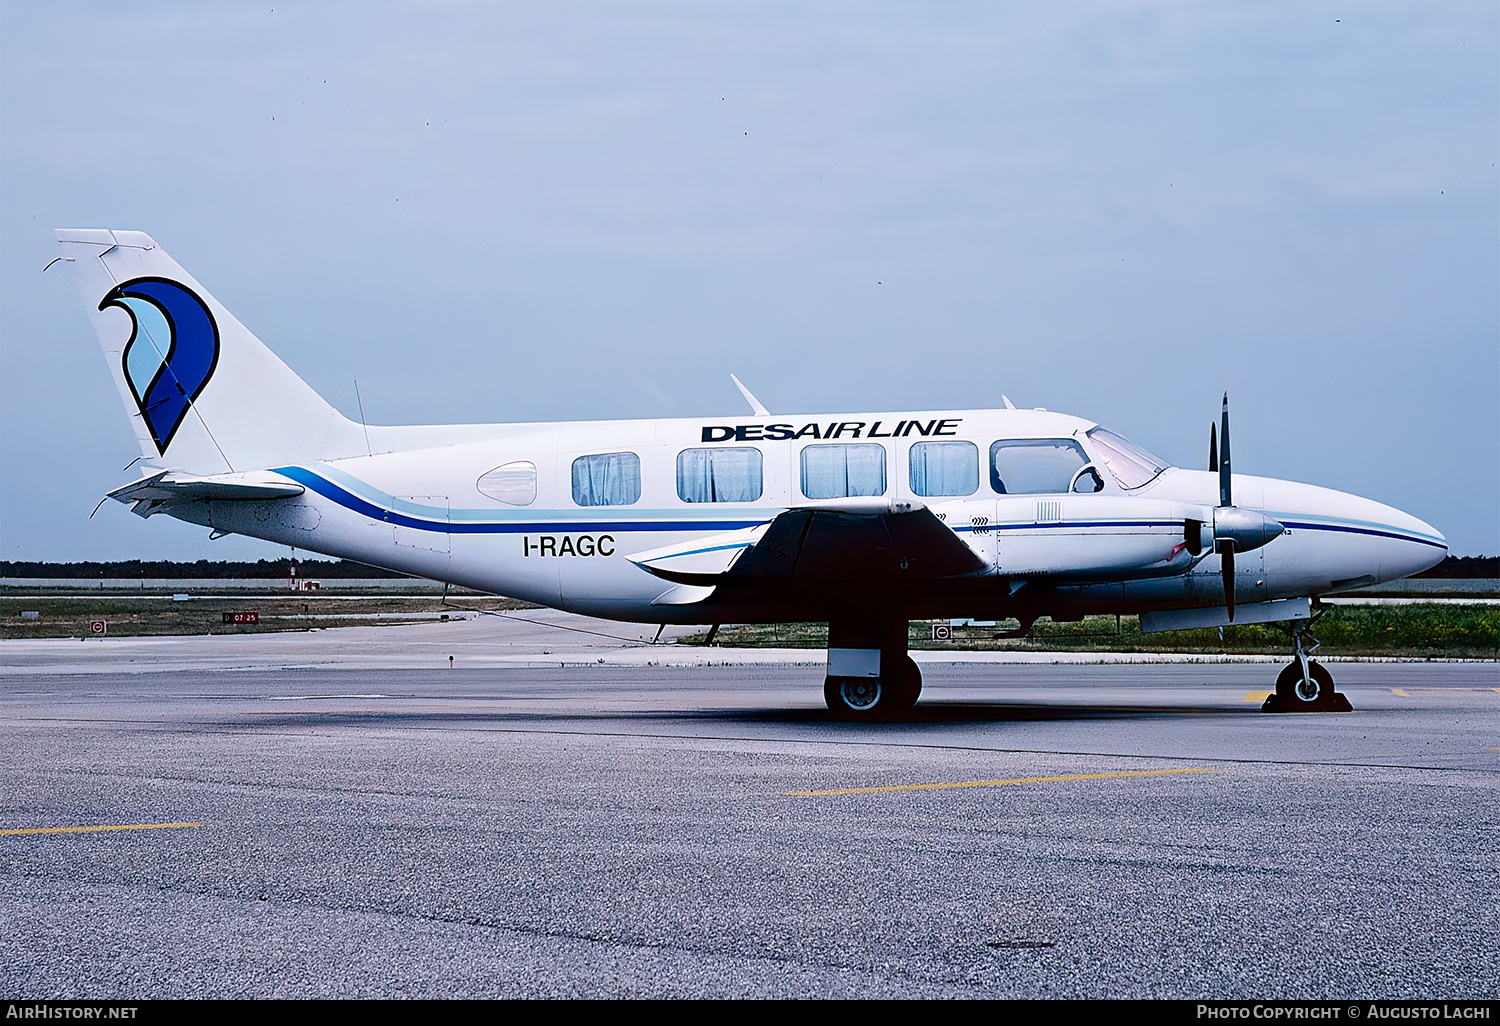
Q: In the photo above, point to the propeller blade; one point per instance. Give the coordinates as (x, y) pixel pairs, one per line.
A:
(1224, 497)
(1226, 561)
(1213, 447)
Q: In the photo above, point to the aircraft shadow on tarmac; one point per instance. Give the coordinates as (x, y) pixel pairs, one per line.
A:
(936, 713)
(975, 712)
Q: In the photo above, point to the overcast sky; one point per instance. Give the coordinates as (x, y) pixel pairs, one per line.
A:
(570, 210)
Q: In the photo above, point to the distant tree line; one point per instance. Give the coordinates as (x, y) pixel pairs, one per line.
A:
(1467, 568)
(1452, 568)
(201, 570)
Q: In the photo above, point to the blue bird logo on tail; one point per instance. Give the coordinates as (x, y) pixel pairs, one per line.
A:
(172, 352)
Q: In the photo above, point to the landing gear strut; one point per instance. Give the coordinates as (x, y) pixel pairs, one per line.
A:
(1304, 685)
(871, 678)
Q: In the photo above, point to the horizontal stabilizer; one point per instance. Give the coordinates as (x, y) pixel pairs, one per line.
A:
(168, 487)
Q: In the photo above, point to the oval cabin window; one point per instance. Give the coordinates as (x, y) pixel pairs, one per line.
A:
(512, 483)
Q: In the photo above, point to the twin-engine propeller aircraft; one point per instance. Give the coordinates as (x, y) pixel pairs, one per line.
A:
(864, 520)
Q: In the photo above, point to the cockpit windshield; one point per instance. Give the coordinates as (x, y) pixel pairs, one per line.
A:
(1129, 464)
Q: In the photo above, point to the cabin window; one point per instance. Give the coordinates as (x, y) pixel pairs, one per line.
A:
(1127, 462)
(608, 479)
(511, 483)
(839, 471)
(944, 468)
(719, 475)
(1027, 466)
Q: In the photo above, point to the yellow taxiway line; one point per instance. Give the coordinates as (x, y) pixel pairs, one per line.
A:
(96, 829)
(1398, 691)
(1256, 696)
(1001, 783)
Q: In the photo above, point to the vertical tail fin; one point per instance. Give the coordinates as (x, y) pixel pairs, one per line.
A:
(204, 394)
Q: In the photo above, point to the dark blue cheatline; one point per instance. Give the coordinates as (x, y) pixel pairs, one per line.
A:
(346, 498)
(349, 500)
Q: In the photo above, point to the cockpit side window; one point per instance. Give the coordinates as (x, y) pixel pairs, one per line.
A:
(1029, 466)
(1129, 464)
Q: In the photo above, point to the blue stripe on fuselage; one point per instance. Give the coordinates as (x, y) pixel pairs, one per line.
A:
(1347, 529)
(365, 507)
(348, 499)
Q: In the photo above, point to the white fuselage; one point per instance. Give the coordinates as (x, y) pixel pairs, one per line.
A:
(450, 512)
(864, 520)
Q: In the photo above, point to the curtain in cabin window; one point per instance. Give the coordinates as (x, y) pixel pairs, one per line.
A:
(719, 475)
(608, 479)
(838, 471)
(944, 468)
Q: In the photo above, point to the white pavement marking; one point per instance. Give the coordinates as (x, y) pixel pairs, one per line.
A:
(547, 638)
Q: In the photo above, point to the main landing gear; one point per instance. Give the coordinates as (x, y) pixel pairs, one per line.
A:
(871, 678)
(1304, 685)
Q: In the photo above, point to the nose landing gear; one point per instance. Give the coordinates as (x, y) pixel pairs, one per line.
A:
(1304, 685)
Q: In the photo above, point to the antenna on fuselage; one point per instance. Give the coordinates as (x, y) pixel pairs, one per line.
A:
(358, 399)
(1006, 400)
(755, 404)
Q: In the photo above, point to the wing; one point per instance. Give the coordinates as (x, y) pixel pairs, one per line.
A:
(854, 542)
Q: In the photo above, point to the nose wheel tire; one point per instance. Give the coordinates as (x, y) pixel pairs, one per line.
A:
(1294, 694)
(875, 699)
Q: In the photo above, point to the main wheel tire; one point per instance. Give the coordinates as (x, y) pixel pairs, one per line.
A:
(854, 698)
(905, 684)
(875, 699)
(1295, 693)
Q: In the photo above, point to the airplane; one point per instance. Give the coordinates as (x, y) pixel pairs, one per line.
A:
(866, 521)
